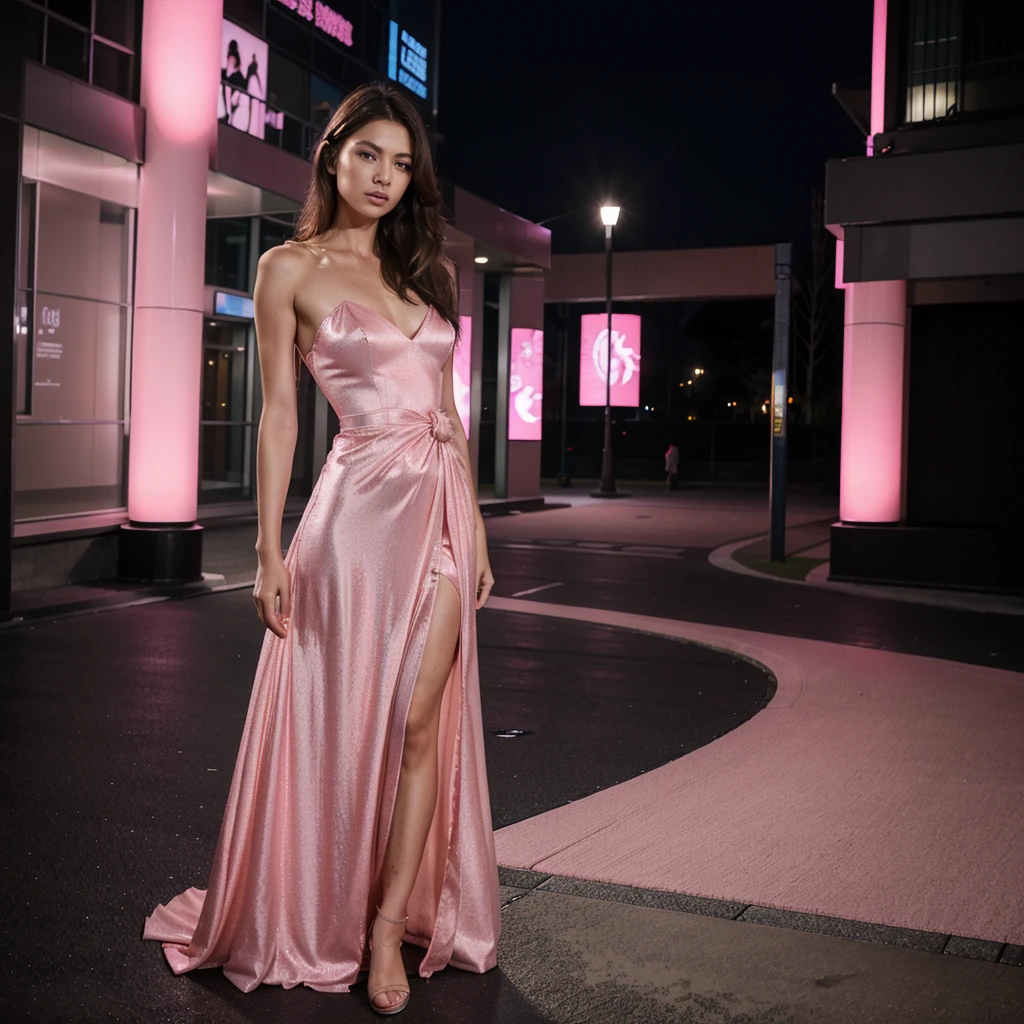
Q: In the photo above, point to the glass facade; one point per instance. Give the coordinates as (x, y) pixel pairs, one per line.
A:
(227, 442)
(74, 310)
(231, 394)
(94, 40)
(318, 52)
(286, 66)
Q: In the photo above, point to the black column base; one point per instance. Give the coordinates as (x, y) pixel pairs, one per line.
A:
(963, 558)
(160, 554)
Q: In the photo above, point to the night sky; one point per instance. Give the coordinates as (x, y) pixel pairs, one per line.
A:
(709, 123)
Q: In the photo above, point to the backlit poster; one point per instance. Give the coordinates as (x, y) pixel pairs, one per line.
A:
(243, 80)
(407, 60)
(625, 389)
(462, 374)
(525, 384)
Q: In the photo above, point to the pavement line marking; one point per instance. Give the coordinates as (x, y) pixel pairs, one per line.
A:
(537, 590)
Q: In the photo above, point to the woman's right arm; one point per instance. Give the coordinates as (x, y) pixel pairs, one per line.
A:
(274, 298)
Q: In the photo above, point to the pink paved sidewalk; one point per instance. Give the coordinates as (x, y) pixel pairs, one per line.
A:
(878, 787)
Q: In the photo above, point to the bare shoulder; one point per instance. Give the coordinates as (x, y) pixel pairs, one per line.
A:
(284, 264)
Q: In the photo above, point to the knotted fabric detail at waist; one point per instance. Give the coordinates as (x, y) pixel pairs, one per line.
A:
(436, 421)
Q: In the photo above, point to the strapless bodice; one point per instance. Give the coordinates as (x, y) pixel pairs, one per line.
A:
(363, 363)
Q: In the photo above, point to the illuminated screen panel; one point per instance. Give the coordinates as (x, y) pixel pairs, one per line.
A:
(625, 358)
(407, 60)
(525, 384)
(462, 373)
(243, 80)
(227, 304)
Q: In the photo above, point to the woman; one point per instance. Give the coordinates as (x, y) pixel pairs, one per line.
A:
(358, 814)
(671, 466)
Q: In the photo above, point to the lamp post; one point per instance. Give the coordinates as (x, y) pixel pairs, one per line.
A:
(609, 217)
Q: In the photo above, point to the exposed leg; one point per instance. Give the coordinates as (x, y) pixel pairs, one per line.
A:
(417, 790)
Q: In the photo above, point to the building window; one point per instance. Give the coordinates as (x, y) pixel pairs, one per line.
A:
(79, 11)
(247, 13)
(962, 58)
(227, 253)
(94, 40)
(113, 68)
(117, 21)
(67, 48)
(324, 100)
(227, 438)
(74, 284)
(288, 85)
(993, 56)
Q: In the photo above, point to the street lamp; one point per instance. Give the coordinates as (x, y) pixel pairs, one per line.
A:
(609, 217)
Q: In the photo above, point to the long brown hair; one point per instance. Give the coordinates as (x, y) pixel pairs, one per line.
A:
(410, 238)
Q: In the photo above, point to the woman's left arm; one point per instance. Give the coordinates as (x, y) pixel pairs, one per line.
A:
(484, 576)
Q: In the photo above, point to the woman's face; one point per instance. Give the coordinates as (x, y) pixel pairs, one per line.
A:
(373, 168)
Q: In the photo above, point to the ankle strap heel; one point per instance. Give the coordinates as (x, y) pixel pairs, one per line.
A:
(392, 920)
(400, 990)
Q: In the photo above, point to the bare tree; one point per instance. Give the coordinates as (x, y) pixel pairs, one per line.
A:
(816, 302)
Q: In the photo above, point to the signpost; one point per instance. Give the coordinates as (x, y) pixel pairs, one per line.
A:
(779, 401)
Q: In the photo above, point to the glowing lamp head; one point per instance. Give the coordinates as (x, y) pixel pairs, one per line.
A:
(479, 259)
(609, 215)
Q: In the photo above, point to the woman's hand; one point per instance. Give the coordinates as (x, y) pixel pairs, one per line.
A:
(484, 576)
(484, 582)
(272, 595)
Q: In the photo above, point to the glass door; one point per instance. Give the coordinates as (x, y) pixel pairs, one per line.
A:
(227, 438)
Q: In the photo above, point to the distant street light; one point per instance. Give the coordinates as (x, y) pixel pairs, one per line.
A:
(609, 217)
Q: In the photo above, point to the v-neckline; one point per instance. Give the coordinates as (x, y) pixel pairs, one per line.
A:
(383, 319)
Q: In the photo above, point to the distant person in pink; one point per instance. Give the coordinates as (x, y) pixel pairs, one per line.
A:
(671, 467)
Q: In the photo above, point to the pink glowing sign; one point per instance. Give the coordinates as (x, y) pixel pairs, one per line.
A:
(462, 374)
(525, 384)
(625, 358)
(326, 18)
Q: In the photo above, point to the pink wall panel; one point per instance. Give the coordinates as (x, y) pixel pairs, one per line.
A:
(526, 384)
(462, 374)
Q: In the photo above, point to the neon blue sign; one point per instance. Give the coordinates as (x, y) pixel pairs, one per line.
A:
(407, 61)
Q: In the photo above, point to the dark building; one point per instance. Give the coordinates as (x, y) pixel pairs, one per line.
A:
(931, 230)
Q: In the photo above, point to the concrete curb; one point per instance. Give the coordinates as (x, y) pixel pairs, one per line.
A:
(722, 558)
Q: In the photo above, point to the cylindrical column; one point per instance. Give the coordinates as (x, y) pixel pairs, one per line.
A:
(870, 484)
(180, 72)
(501, 398)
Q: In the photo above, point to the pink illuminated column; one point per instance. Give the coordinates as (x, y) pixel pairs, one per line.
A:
(871, 473)
(180, 74)
(871, 462)
(462, 372)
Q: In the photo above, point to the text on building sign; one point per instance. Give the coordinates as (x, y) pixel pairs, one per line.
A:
(328, 20)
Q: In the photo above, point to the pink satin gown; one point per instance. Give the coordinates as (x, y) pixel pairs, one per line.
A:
(295, 876)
